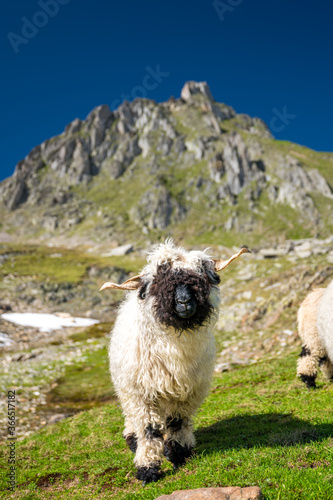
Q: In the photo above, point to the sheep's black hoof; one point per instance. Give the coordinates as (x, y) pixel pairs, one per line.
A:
(148, 474)
(131, 441)
(309, 380)
(176, 453)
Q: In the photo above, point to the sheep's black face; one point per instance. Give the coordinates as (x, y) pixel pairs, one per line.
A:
(182, 297)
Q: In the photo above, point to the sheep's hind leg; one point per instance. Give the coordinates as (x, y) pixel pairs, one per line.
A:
(327, 367)
(307, 367)
(180, 441)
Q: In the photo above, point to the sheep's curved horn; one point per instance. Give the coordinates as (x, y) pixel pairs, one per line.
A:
(222, 264)
(131, 284)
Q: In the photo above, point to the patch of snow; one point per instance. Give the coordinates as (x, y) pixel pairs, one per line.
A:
(46, 322)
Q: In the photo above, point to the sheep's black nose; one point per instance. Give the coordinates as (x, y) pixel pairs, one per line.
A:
(185, 303)
(183, 295)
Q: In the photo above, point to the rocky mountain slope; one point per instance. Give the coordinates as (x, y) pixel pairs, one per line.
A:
(189, 167)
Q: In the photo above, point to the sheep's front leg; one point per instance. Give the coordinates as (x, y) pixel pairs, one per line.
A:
(180, 440)
(307, 366)
(149, 431)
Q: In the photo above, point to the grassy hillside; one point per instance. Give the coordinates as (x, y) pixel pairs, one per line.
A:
(259, 426)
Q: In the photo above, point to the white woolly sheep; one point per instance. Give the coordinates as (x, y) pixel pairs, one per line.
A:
(315, 328)
(162, 352)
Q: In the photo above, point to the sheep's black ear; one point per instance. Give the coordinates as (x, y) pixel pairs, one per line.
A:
(214, 279)
(143, 291)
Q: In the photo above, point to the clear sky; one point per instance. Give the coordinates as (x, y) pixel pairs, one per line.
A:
(266, 58)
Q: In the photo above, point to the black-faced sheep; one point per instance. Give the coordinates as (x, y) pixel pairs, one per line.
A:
(315, 328)
(162, 352)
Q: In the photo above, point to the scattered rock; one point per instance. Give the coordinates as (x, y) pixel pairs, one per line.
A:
(56, 417)
(62, 314)
(302, 249)
(303, 254)
(118, 251)
(5, 340)
(222, 367)
(304, 246)
(50, 223)
(25, 356)
(227, 493)
(5, 307)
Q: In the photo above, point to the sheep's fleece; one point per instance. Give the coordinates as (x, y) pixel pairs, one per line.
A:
(315, 328)
(162, 360)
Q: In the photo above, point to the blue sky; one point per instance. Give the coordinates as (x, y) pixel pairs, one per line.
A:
(61, 58)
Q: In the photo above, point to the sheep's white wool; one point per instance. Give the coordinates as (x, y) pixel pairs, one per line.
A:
(315, 328)
(325, 321)
(177, 256)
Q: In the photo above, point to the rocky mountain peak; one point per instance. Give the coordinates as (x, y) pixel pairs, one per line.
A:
(188, 164)
(192, 88)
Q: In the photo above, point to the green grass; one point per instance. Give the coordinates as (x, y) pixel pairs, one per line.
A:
(83, 385)
(259, 426)
(58, 264)
(92, 332)
(35, 260)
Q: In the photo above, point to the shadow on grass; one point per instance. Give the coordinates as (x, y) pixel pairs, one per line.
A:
(269, 429)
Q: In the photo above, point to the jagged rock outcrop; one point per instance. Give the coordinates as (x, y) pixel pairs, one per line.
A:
(157, 209)
(150, 165)
(296, 186)
(233, 170)
(17, 194)
(194, 88)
